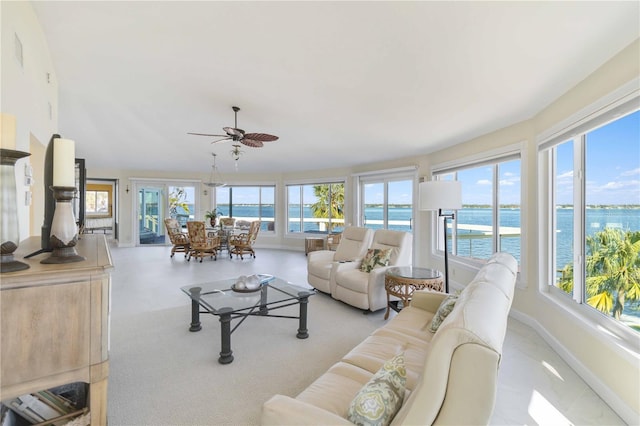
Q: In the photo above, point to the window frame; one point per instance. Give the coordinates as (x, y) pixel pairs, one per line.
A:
(385, 177)
(215, 202)
(97, 214)
(487, 158)
(302, 184)
(621, 102)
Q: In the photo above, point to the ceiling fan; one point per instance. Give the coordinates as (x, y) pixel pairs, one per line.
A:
(235, 134)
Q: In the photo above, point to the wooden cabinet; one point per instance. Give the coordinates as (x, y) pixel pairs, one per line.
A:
(54, 324)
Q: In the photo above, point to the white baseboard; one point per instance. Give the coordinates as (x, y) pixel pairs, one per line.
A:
(610, 397)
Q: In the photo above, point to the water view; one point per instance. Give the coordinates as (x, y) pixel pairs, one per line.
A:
(474, 226)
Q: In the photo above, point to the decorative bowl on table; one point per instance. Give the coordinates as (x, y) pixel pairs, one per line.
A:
(246, 284)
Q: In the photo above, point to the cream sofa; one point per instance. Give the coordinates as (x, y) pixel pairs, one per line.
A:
(353, 245)
(451, 374)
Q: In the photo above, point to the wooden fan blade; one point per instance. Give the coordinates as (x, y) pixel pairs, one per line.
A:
(262, 137)
(228, 138)
(207, 134)
(252, 143)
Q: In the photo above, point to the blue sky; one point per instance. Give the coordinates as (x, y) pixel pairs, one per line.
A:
(612, 164)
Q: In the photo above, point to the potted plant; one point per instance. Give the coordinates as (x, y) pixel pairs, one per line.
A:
(212, 215)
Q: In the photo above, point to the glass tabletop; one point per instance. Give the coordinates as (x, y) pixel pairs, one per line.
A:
(217, 295)
(414, 273)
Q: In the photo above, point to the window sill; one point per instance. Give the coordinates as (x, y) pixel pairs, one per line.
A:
(624, 340)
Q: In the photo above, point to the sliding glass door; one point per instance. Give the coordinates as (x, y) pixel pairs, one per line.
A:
(151, 203)
(158, 201)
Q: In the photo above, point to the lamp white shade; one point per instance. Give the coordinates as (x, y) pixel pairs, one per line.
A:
(64, 162)
(440, 194)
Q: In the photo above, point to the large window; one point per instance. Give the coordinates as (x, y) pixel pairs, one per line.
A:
(491, 216)
(387, 203)
(385, 199)
(315, 208)
(594, 231)
(248, 203)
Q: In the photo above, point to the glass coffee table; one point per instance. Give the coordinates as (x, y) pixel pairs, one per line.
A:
(219, 298)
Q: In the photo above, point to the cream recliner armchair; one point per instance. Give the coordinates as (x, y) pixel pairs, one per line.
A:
(365, 290)
(353, 245)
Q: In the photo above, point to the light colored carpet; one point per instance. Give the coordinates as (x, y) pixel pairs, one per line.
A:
(162, 374)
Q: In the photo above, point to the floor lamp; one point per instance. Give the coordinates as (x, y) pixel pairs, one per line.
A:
(442, 195)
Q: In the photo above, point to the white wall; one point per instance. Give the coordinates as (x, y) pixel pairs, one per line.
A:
(26, 93)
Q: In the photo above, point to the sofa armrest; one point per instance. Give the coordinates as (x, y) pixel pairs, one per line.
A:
(427, 300)
(320, 256)
(347, 265)
(284, 410)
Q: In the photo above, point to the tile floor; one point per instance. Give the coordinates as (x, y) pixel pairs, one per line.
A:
(536, 387)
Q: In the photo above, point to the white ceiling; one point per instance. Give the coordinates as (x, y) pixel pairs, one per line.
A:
(341, 83)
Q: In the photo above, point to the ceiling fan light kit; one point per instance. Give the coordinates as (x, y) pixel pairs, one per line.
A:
(236, 152)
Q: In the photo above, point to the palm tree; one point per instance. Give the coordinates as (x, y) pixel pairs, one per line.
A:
(178, 198)
(613, 270)
(330, 202)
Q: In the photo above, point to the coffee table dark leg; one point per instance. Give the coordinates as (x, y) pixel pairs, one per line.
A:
(263, 300)
(226, 354)
(195, 310)
(302, 329)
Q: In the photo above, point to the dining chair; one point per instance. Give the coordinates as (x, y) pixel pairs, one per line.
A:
(202, 245)
(179, 239)
(243, 243)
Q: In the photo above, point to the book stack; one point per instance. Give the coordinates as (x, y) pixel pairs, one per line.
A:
(41, 408)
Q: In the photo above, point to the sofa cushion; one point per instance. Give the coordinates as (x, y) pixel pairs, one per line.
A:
(334, 390)
(375, 258)
(375, 350)
(381, 398)
(413, 322)
(354, 280)
(445, 309)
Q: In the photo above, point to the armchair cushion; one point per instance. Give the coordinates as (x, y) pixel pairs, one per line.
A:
(375, 258)
(365, 290)
(381, 398)
(353, 244)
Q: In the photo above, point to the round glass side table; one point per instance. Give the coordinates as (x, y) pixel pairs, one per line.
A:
(402, 281)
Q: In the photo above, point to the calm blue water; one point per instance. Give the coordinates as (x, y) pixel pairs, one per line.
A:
(471, 242)
(597, 220)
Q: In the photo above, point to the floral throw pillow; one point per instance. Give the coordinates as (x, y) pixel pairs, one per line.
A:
(375, 258)
(444, 309)
(380, 399)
